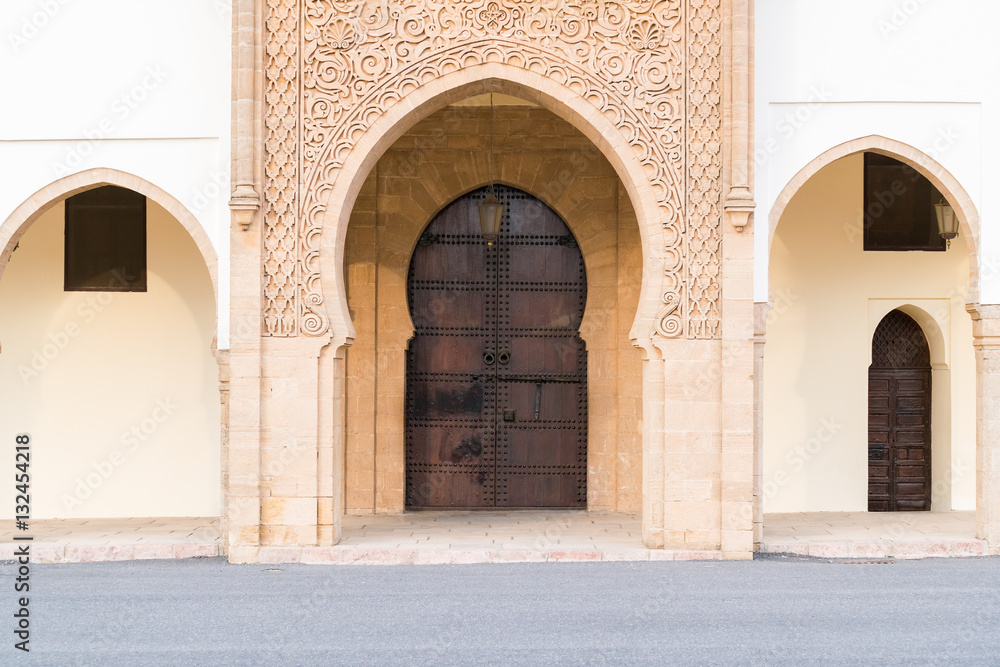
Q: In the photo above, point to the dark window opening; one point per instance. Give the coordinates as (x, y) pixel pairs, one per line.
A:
(899, 207)
(106, 241)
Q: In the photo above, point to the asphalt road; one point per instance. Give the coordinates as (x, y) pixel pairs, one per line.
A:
(772, 611)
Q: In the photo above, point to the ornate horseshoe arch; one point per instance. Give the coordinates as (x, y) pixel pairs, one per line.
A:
(651, 67)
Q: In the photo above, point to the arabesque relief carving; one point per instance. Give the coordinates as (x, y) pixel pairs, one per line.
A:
(653, 67)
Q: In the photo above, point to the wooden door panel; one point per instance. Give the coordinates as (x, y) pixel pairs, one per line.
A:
(878, 404)
(910, 403)
(917, 420)
(539, 260)
(451, 308)
(557, 309)
(534, 355)
(878, 384)
(908, 505)
(540, 447)
(910, 454)
(449, 354)
(544, 401)
(462, 399)
(911, 438)
(510, 430)
(529, 217)
(899, 399)
(449, 490)
(524, 490)
(441, 261)
(451, 446)
(915, 386)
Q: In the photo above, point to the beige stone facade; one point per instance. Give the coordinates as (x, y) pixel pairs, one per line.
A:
(351, 133)
(355, 123)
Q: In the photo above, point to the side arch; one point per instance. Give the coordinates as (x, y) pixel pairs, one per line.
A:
(455, 86)
(18, 222)
(930, 168)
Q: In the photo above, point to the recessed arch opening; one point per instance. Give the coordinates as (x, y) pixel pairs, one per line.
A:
(119, 390)
(829, 295)
(401, 196)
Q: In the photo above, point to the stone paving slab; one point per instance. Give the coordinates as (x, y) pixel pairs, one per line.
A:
(903, 535)
(435, 538)
(94, 540)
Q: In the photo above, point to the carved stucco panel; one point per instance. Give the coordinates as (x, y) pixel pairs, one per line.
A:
(648, 65)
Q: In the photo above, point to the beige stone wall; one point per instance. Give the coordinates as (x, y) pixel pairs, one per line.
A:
(441, 158)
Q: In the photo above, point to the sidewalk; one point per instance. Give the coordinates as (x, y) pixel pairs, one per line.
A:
(873, 534)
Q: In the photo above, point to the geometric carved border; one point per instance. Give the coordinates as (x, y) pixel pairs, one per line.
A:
(653, 67)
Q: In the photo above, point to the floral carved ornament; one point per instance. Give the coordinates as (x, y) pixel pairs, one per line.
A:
(653, 67)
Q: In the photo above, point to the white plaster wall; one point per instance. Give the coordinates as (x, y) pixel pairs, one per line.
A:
(142, 87)
(922, 72)
(119, 391)
(829, 296)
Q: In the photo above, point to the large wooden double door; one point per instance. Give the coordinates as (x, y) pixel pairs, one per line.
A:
(496, 400)
(899, 417)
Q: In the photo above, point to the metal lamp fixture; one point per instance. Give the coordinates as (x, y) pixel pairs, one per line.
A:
(947, 221)
(490, 209)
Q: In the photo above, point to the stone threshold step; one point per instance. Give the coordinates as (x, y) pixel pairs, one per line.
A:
(48, 552)
(880, 549)
(362, 556)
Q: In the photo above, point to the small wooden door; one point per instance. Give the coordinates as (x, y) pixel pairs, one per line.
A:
(496, 402)
(899, 417)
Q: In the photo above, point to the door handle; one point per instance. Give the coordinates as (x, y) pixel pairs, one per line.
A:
(504, 356)
(488, 356)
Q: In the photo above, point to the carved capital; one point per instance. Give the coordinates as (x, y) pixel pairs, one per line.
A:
(244, 204)
(739, 206)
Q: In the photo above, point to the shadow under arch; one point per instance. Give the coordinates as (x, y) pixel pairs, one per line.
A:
(942, 179)
(455, 86)
(18, 222)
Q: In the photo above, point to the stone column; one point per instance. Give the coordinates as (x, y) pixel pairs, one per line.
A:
(652, 448)
(737, 394)
(986, 336)
(289, 441)
(761, 311)
(692, 444)
(222, 358)
(242, 490)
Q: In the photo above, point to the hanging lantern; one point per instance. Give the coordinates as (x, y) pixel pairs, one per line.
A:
(947, 221)
(490, 216)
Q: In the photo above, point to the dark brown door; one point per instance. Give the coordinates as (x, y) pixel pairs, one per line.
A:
(496, 402)
(899, 417)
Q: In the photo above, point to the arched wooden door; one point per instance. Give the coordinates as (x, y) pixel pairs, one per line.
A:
(899, 417)
(496, 374)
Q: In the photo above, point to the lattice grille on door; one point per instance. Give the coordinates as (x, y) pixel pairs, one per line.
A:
(899, 342)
